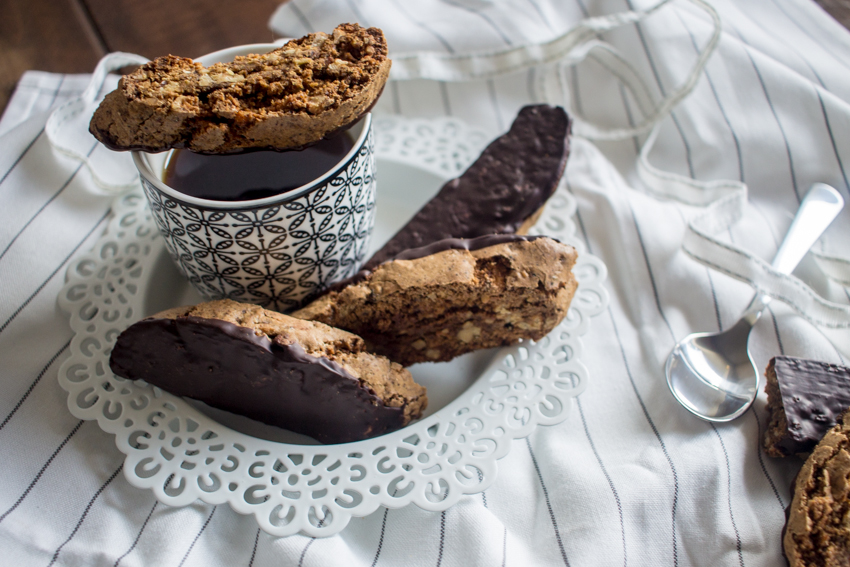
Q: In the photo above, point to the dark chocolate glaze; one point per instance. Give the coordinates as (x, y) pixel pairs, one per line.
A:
(436, 247)
(514, 176)
(814, 395)
(231, 368)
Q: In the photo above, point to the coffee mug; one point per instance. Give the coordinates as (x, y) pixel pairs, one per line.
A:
(275, 251)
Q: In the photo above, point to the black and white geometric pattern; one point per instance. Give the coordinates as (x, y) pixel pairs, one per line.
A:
(277, 255)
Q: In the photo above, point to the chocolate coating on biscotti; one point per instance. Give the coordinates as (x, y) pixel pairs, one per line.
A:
(500, 193)
(817, 532)
(439, 306)
(309, 379)
(805, 399)
(289, 98)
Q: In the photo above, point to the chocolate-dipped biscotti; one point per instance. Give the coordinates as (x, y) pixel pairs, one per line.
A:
(817, 532)
(805, 399)
(502, 192)
(289, 98)
(455, 296)
(299, 375)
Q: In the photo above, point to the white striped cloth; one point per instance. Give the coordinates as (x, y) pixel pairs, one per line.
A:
(630, 478)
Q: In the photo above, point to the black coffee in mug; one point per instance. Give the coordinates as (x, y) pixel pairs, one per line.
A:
(252, 175)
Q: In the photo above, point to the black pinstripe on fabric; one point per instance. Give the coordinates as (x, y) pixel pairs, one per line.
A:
(655, 432)
(776, 330)
(357, 13)
(85, 513)
(20, 157)
(304, 551)
(381, 538)
(34, 383)
(50, 277)
(661, 88)
(444, 93)
(649, 271)
(832, 140)
(46, 203)
(396, 97)
(504, 545)
(40, 132)
(576, 92)
(607, 479)
(442, 538)
(629, 117)
(548, 504)
(714, 300)
(491, 88)
(543, 17)
(40, 473)
(747, 48)
(254, 551)
(138, 536)
(483, 16)
(796, 22)
(759, 451)
(790, 46)
(309, 543)
(301, 17)
(400, 5)
(197, 537)
(738, 546)
(719, 104)
(532, 91)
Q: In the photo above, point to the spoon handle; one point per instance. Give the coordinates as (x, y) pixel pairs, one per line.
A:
(819, 208)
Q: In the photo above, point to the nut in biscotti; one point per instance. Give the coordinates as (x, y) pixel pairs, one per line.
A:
(288, 98)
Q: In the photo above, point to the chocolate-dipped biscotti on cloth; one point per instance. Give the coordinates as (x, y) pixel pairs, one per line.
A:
(455, 296)
(289, 98)
(817, 532)
(805, 398)
(299, 375)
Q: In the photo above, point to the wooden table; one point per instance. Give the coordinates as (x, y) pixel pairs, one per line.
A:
(70, 36)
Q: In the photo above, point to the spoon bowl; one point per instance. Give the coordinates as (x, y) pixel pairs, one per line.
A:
(717, 387)
(713, 374)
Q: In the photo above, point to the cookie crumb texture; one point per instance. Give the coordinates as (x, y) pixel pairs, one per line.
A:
(435, 308)
(299, 375)
(818, 532)
(285, 99)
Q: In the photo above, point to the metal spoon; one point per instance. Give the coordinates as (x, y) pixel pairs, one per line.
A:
(713, 374)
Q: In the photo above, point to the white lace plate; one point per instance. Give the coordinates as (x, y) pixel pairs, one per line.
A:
(184, 451)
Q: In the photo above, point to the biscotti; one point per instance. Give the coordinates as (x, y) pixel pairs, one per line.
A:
(817, 531)
(502, 192)
(804, 399)
(294, 96)
(299, 375)
(454, 297)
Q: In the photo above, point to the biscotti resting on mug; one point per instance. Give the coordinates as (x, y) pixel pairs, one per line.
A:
(289, 98)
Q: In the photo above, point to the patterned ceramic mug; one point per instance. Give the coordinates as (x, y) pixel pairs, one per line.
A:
(274, 251)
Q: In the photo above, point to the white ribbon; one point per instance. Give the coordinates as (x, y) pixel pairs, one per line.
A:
(67, 131)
